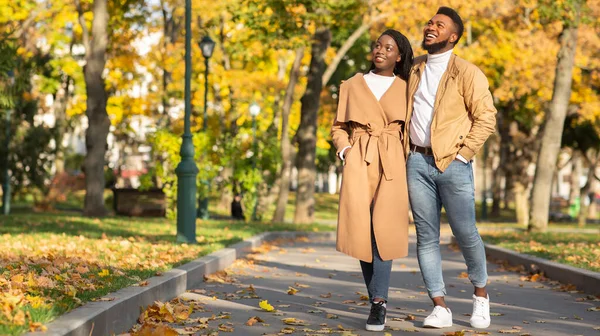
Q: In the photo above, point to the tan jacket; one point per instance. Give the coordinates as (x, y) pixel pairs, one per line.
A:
(374, 170)
(464, 115)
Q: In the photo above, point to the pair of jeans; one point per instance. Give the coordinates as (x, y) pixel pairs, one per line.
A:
(429, 189)
(376, 273)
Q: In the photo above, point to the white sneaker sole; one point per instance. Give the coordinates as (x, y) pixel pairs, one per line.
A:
(437, 326)
(371, 327)
(480, 325)
(375, 327)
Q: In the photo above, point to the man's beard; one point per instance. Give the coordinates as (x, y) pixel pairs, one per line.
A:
(433, 48)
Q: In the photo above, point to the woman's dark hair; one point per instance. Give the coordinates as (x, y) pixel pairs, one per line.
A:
(402, 68)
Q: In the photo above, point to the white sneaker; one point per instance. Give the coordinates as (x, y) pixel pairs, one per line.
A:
(481, 312)
(440, 318)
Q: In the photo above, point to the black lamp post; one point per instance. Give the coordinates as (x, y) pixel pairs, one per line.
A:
(207, 45)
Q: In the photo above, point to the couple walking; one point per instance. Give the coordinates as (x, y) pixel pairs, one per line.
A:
(408, 130)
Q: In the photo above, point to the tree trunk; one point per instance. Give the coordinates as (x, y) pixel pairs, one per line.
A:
(521, 204)
(497, 191)
(98, 122)
(60, 109)
(500, 172)
(552, 134)
(307, 131)
(286, 146)
(576, 170)
(585, 190)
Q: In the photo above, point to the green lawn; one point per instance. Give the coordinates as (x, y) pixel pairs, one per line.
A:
(52, 263)
(577, 249)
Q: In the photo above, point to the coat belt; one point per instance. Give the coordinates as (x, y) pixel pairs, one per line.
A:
(376, 141)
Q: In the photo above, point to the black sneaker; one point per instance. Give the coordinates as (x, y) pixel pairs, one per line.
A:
(376, 320)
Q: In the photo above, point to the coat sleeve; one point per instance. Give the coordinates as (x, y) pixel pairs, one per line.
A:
(340, 130)
(479, 102)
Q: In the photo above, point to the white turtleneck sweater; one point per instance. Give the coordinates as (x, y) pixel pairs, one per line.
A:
(424, 100)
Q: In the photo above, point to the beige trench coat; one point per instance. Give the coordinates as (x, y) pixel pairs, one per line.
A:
(374, 170)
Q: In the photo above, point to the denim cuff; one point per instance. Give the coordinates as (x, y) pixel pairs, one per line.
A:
(437, 293)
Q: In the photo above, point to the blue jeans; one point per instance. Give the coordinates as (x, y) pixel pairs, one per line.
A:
(428, 190)
(376, 273)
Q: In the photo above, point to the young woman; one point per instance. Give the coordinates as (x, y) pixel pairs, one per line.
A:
(367, 133)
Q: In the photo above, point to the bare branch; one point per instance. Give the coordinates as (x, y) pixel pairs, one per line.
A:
(348, 44)
(85, 34)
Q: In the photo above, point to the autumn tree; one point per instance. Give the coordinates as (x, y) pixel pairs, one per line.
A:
(569, 13)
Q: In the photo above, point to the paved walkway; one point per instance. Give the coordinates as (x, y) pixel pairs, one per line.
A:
(329, 293)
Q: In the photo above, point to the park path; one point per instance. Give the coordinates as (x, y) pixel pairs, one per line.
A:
(329, 288)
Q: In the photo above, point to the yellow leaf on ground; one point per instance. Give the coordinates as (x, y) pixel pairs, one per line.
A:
(104, 273)
(294, 321)
(292, 291)
(19, 318)
(71, 290)
(264, 305)
(155, 330)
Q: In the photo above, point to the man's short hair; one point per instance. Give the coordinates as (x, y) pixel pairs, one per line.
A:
(453, 15)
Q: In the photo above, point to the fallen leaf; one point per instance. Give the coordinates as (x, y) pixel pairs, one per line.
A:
(288, 330)
(342, 328)
(325, 296)
(301, 285)
(294, 321)
(253, 320)
(292, 291)
(264, 305)
(332, 316)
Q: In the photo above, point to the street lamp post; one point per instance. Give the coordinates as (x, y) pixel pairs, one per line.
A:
(207, 45)
(187, 170)
(6, 184)
(254, 112)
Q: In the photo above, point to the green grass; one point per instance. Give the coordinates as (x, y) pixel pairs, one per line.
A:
(326, 208)
(36, 247)
(577, 249)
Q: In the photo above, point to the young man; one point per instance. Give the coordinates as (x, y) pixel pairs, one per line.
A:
(450, 115)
